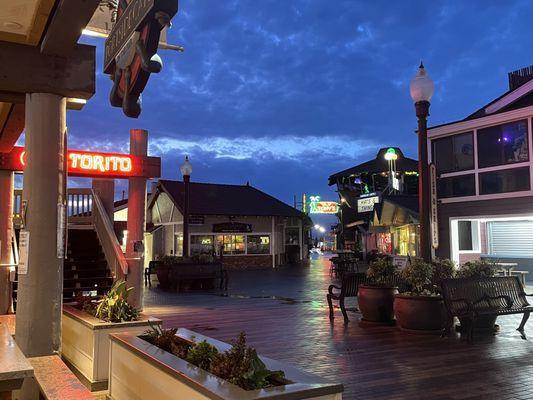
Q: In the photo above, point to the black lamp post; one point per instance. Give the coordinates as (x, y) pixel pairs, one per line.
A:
(186, 171)
(422, 88)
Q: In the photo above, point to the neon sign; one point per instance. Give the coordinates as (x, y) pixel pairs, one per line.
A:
(316, 206)
(92, 164)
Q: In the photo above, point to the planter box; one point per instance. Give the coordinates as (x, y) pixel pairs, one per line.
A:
(85, 344)
(141, 371)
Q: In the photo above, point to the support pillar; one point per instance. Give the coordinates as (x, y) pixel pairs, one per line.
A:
(105, 189)
(136, 219)
(40, 291)
(6, 233)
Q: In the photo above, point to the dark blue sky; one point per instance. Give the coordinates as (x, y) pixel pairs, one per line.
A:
(284, 93)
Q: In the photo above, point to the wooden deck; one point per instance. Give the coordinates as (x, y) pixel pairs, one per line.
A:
(284, 314)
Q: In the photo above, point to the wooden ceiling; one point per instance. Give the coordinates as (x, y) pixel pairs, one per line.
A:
(24, 21)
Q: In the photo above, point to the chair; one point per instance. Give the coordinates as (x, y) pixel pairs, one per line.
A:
(349, 288)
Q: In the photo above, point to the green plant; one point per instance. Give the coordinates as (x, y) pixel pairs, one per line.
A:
(114, 306)
(381, 271)
(477, 269)
(202, 354)
(85, 303)
(241, 366)
(444, 268)
(418, 274)
(167, 340)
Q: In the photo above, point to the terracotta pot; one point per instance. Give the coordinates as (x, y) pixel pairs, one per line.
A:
(376, 303)
(163, 277)
(420, 314)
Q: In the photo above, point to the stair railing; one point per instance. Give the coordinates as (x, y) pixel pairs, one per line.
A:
(79, 205)
(108, 239)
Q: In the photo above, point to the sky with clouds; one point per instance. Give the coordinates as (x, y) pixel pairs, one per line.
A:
(284, 93)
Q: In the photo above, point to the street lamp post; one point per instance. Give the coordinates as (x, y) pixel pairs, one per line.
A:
(422, 88)
(186, 171)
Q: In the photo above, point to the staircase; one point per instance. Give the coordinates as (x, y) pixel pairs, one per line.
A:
(85, 267)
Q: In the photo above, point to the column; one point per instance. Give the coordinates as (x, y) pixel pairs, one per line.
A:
(40, 291)
(6, 233)
(136, 219)
(105, 189)
(301, 238)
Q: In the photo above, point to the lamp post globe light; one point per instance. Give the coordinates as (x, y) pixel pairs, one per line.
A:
(422, 88)
(186, 171)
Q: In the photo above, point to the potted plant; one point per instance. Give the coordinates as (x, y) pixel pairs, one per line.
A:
(86, 326)
(167, 364)
(376, 299)
(474, 270)
(163, 270)
(420, 310)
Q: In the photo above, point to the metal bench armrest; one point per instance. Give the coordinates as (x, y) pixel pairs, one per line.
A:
(331, 287)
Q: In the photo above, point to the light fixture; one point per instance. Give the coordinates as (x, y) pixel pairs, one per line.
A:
(317, 226)
(421, 87)
(322, 229)
(391, 155)
(186, 167)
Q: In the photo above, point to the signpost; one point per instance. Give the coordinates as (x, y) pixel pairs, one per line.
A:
(433, 211)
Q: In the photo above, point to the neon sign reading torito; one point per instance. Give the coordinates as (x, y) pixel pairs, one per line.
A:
(99, 162)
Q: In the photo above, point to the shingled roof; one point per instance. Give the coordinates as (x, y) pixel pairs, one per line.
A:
(235, 200)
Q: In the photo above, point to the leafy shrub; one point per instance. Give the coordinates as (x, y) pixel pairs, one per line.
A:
(202, 354)
(167, 340)
(444, 268)
(114, 306)
(85, 303)
(381, 271)
(418, 274)
(477, 269)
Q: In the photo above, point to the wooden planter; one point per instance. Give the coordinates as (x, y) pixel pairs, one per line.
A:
(142, 371)
(377, 304)
(420, 314)
(85, 343)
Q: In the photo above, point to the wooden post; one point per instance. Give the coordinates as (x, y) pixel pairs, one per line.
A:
(6, 233)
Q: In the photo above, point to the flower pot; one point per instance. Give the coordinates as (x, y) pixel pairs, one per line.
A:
(140, 370)
(163, 275)
(377, 303)
(420, 314)
(85, 343)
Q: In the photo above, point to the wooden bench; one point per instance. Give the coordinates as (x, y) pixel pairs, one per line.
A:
(471, 298)
(349, 288)
(56, 381)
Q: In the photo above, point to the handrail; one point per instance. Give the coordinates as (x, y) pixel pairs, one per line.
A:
(108, 239)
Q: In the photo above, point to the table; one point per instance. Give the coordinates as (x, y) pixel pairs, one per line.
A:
(506, 267)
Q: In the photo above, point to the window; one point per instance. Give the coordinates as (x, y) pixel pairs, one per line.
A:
(502, 144)
(231, 244)
(258, 244)
(454, 153)
(503, 181)
(456, 186)
(468, 232)
(202, 244)
(292, 236)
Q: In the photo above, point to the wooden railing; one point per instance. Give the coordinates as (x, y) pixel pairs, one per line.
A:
(79, 205)
(108, 239)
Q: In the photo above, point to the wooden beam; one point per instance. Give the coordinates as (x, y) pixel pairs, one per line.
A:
(25, 70)
(69, 19)
(12, 128)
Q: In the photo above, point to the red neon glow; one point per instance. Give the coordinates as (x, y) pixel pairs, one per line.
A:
(99, 162)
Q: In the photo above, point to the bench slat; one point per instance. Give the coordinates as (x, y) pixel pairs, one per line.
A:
(56, 381)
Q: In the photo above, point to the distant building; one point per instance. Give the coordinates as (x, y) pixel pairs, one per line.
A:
(379, 204)
(485, 179)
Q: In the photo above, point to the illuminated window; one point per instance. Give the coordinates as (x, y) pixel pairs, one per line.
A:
(202, 244)
(258, 244)
(231, 244)
(503, 144)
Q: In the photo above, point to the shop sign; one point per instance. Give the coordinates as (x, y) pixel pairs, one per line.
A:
(196, 220)
(92, 164)
(24, 243)
(316, 206)
(131, 49)
(434, 208)
(232, 227)
(366, 204)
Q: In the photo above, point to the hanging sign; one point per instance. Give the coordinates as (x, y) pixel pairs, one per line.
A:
(316, 206)
(24, 243)
(434, 209)
(131, 49)
(366, 204)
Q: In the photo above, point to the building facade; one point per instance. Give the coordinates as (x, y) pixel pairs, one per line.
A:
(485, 179)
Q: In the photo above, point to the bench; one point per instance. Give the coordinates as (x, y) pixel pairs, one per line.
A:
(200, 272)
(56, 381)
(349, 287)
(471, 298)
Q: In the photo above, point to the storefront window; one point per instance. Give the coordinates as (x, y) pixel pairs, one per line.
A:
(456, 186)
(384, 243)
(406, 240)
(178, 244)
(257, 244)
(202, 244)
(454, 153)
(231, 244)
(508, 180)
(502, 144)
